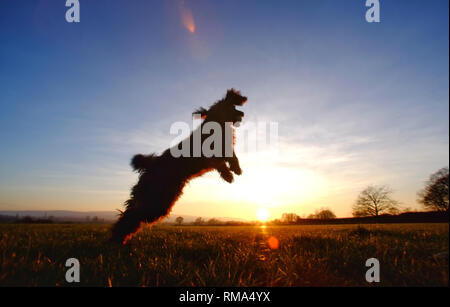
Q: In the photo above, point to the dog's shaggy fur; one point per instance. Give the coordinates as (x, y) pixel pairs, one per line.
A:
(162, 178)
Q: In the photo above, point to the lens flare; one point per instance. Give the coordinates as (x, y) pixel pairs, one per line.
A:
(188, 19)
(273, 243)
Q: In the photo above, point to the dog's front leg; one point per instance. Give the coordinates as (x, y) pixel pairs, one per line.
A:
(234, 164)
(224, 171)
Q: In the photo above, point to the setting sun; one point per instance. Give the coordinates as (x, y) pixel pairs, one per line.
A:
(262, 214)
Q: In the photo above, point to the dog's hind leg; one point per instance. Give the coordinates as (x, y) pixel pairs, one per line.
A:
(126, 226)
(131, 220)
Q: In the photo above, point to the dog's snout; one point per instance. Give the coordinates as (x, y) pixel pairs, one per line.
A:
(240, 100)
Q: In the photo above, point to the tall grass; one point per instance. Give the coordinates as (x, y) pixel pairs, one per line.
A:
(327, 255)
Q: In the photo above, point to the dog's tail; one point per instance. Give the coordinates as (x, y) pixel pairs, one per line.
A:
(141, 163)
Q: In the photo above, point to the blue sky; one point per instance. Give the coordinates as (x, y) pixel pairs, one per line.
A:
(356, 103)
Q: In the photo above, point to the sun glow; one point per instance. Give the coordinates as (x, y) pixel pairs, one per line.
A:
(269, 182)
(262, 214)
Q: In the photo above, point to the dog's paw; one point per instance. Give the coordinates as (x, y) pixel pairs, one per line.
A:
(237, 171)
(227, 176)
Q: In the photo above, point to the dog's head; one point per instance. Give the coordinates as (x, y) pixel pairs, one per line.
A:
(225, 110)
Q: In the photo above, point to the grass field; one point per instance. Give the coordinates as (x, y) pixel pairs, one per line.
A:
(326, 255)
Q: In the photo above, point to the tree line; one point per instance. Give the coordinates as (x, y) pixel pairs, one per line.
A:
(377, 200)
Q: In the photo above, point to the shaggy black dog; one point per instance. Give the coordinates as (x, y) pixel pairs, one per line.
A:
(162, 178)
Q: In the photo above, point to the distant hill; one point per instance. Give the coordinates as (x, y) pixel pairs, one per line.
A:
(63, 215)
(87, 216)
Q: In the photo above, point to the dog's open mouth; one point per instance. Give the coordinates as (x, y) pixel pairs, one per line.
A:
(238, 117)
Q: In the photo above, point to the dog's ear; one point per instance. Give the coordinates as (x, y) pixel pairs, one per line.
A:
(232, 93)
(235, 97)
(202, 111)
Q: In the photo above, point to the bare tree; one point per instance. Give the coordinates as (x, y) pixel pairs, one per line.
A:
(435, 194)
(199, 221)
(375, 200)
(179, 220)
(324, 214)
(289, 218)
(213, 221)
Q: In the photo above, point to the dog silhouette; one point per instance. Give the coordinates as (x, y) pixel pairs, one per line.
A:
(162, 178)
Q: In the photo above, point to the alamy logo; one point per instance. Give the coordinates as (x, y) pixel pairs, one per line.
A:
(373, 274)
(73, 273)
(73, 13)
(373, 13)
(256, 137)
